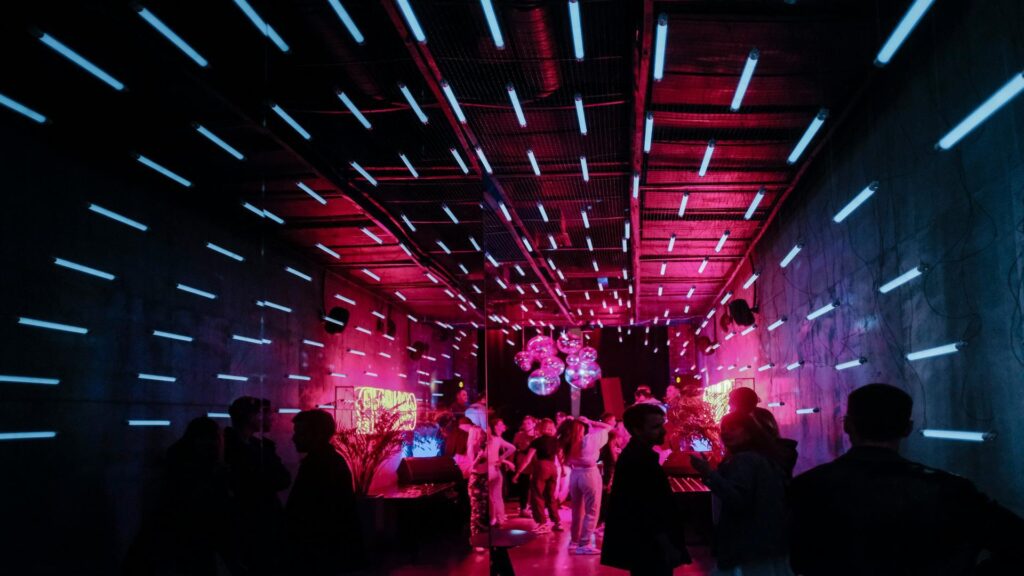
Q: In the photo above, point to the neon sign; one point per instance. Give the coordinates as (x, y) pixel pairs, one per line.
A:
(370, 401)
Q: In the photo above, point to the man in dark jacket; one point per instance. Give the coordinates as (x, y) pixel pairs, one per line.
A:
(872, 512)
(643, 530)
(323, 531)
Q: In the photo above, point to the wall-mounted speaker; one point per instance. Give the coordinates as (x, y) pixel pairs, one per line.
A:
(741, 312)
(337, 320)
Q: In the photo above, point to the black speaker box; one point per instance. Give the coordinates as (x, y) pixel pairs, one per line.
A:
(741, 313)
(432, 470)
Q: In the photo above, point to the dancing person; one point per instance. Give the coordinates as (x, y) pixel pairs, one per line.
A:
(562, 482)
(527, 433)
(498, 452)
(581, 447)
(751, 537)
(871, 511)
(474, 468)
(609, 454)
(542, 455)
(644, 532)
(643, 395)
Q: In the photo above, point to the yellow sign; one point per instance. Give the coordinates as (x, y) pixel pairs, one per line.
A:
(717, 396)
(370, 401)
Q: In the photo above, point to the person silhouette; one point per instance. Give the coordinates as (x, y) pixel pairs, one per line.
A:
(323, 527)
(643, 530)
(871, 511)
(255, 475)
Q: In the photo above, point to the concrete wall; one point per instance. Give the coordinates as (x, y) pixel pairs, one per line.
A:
(73, 503)
(960, 211)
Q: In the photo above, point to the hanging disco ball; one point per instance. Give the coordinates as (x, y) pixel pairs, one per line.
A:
(569, 343)
(572, 376)
(573, 360)
(552, 365)
(588, 354)
(524, 360)
(542, 384)
(589, 374)
(541, 346)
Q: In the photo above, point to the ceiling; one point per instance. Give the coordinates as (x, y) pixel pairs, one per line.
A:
(812, 55)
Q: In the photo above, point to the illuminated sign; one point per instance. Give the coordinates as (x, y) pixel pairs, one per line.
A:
(370, 401)
(717, 396)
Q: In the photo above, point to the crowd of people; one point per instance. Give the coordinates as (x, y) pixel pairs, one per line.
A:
(869, 512)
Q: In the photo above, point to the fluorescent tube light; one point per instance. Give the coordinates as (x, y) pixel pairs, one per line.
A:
(859, 199)
(812, 129)
(748, 73)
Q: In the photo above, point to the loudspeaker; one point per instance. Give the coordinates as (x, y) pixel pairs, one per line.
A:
(741, 313)
(338, 320)
(432, 470)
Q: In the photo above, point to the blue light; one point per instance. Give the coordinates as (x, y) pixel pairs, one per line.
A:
(29, 380)
(232, 377)
(410, 19)
(118, 218)
(812, 129)
(295, 272)
(458, 158)
(354, 110)
(78, 59)
(224, 251)
(164, 171)
(483, 160)
(219, 142)
(83, 269)
(792, 254)
(262, 26)
(253, 209)
(902, 279)
(1009, 90)
(586, 178)
(196, 291)
(453, 101)
(362, 172)
(299, 377)
(22, 109)
(149, 422)
(172, 336)
(648, 137)
(26, 435)
(328, 251)
(270, 304)
(157, 378)
(660, 40)
(52, 326)
(221, 415)
(246, 339)
(290, 121)
(162, 28)
(752, 209)
(492, 23)
(707, 158)
(577, 28)
(581, 118)
(903, 29)
(347, 20)
(516, 106)
(859, 199)
(311, 193)
(413, 104)
(273, 217)
(288, 410)
(748, 73)
(313, 343)
(823, 310)
(405, 160)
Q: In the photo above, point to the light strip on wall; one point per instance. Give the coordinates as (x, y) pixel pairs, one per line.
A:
(246, 339)
(707, 158)
(794, 365)
(805, 140)
(347, 21)
(745, 76)
(580, 116)
(577, 28)
(583, 167)
(273, 217)
(299, 377)
(295, 272)
(851, 363)
(808, 410)
(859, 199)
(171, 36)
(951, 348)
(962, 435)
(232, 377)
(902, 279)
(290, 121)
(275, 306)
(682, 204)
(413, 104)
(370, 274)
(313, 343)
(483, 160)
(750, 281)
(776, 324)
(689, 293)
(412, 21)
(902, 31)
(163, 171)
(219, 142)
(224, 251)
(22, 109)
(752, 209)
(533, 162)
(459, 160)
(262, 25)
(989, 107)
(792, 254)
(748, 329)
(664, 266)
(369, 234)
(52, 326)
(328, 251)
(80, 61)
(636, 185)
(354, 110)
(348, 301)
(172, 336)
(726, 298)
(27, 435)
(504, 211)
(408, 222)
(516, 106)
(83, 269)
(703, 266)
(149, 423)
(28, 380)
(218, 415)
(157, 377)
(444, 247)
(492, 23)
(452, 101)
(823, 310)
(117, 217)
